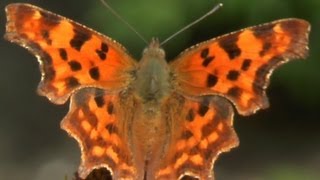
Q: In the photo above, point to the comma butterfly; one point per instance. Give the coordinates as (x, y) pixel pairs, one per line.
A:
(150, 119)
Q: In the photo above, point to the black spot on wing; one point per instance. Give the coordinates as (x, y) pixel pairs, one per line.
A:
(246, 64)
(204, 53)
(46, 36)
(207, 61)
(234, 92)
(195, 151)
(102, 55)
(63, 54)
(203, 108)
(229, 45)
(233, 75)
(94, 73)
(99, 101)
(211, 80)
(75, 65)
(266, 47)
(104, 47)
(110, 108)
(79, 38)
(190, 115)
(186, 134)
(72, 82)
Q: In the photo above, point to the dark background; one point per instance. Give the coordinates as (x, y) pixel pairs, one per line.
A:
(280, 143)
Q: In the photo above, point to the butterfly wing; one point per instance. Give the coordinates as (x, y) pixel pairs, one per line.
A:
(203, 129)
(95, 120)
(92, 68)
(71, 56)
(238, 65)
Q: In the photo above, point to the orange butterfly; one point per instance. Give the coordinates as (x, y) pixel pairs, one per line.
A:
(150, 119)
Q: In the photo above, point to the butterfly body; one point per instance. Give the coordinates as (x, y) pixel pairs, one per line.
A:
(152, 83)
(151, 129)
(152, 119)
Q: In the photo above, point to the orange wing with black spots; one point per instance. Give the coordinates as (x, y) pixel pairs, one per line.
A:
(71, 56)
(238, 65)
(203, 130)
(95, 120)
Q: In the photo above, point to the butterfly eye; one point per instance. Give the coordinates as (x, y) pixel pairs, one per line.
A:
(161, 53)
(145, 51)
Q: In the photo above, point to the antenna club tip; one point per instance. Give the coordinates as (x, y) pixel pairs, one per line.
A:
(220, 4)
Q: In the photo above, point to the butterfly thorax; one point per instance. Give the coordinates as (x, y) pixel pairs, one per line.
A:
(152, 81)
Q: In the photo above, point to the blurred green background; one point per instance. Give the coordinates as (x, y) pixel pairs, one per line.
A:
(280, 143)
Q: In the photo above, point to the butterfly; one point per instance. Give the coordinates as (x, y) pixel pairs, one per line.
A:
(150, 119)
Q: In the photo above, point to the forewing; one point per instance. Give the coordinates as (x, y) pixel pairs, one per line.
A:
(71, 56)
(238, 65)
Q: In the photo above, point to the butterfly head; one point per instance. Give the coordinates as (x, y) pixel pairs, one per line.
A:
(154, 50)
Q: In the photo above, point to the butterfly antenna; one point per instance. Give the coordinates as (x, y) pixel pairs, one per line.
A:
(104, 2)
(214, 9)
